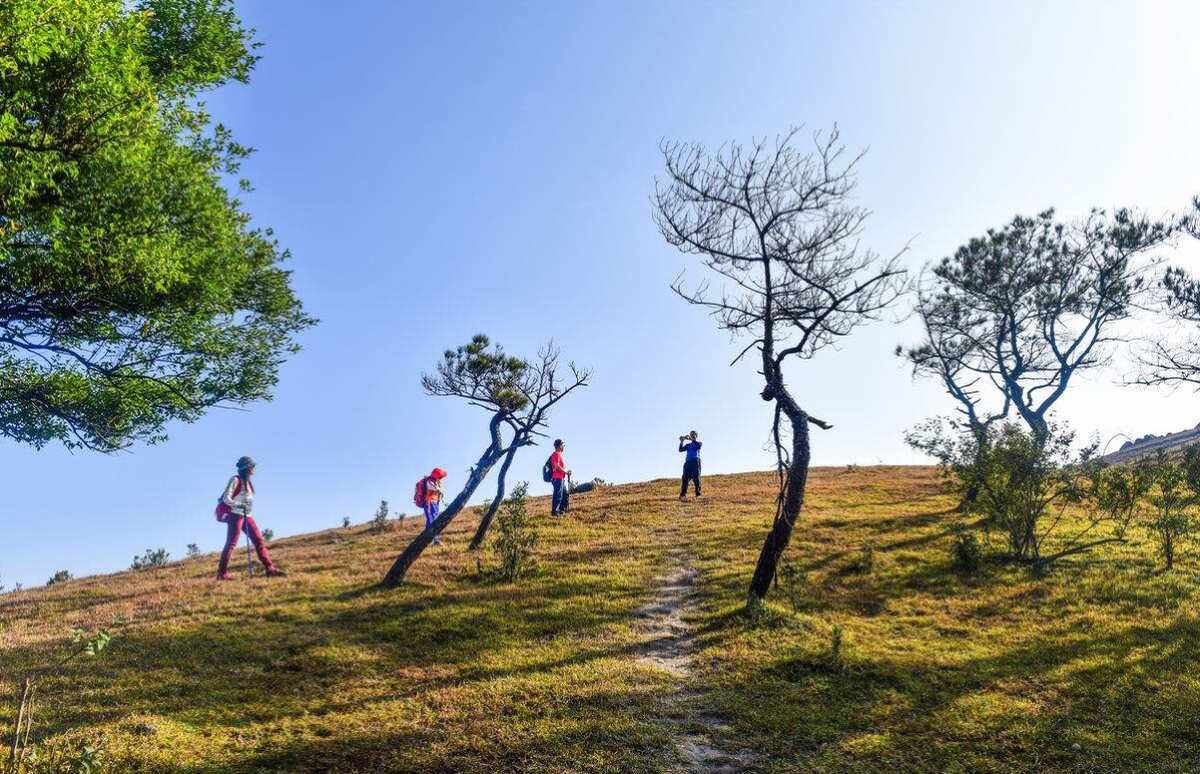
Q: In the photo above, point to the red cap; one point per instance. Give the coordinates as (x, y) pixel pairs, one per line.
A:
(438, 473)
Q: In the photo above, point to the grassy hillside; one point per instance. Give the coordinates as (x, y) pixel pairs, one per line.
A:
(627, 652)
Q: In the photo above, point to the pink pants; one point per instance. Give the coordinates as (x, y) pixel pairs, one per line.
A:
(236, 524)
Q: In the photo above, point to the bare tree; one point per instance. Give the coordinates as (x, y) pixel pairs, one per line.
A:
(542, 387)
(1026, 307)
(778, 227)
(518, 395)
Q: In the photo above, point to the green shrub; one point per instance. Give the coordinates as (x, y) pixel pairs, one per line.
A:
(960, 453)
(150, 558)
(966, 553)
(1120, 491)
(193, 550)
(59, 577)
(345, 522)
(1172, 500)
(379, 522)
(516, 536)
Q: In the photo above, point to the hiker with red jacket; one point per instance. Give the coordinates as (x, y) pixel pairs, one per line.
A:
(428, 498)
(558, 478)
(236, 509)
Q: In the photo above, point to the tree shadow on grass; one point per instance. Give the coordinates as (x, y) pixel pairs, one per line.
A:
(1037, 698)
(577, 745)
(292, 662)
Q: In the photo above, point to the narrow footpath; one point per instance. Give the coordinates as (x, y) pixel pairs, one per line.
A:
(669, 645)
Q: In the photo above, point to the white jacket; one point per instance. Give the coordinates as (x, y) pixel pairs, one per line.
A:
(243, 503)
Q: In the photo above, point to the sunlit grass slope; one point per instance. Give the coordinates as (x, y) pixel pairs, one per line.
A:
(1094, 668)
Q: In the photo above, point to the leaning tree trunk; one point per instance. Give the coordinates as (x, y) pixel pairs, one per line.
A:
(486, 521)
(790, 502)
(490, 456)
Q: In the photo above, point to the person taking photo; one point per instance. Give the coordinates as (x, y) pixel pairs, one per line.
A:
(689, 445)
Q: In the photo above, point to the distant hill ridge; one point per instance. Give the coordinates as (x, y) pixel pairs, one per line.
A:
(1150, 444)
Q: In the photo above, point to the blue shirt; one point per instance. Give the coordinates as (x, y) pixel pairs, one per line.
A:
(692, 449)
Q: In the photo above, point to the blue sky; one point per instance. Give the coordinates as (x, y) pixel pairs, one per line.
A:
(439, 169)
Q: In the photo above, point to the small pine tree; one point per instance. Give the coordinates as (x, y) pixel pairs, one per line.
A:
(380, 521)
(345, 522)
(150, 558)
(516, 537)
(193, 550)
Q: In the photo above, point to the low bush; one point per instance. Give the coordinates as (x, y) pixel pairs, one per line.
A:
(157, 557)
(59, 577)
(966, 553)
(516, 537)
(1172, 501)
(1120, 492)
(379, 522)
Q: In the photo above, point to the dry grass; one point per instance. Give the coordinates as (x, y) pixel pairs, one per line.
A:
(320, 672)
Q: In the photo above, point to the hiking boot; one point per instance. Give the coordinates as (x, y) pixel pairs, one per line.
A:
(275, 572)
(224, 576)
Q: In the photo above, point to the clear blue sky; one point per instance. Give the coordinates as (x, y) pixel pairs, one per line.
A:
(439, 169)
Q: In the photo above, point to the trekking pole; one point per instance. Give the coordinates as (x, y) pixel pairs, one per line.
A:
(249, 560)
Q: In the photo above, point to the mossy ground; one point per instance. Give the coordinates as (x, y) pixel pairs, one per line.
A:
(1095, 667)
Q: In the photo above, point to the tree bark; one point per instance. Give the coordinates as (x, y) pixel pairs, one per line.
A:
(790, 503)
(490, 456)
(486, 521)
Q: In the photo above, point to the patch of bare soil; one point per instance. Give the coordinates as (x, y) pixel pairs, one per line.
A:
(669, 646)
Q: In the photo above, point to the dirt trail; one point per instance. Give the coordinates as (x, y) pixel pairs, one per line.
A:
(668, 646)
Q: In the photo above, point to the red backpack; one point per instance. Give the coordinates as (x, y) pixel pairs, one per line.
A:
(223, 511)
(419, 494)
